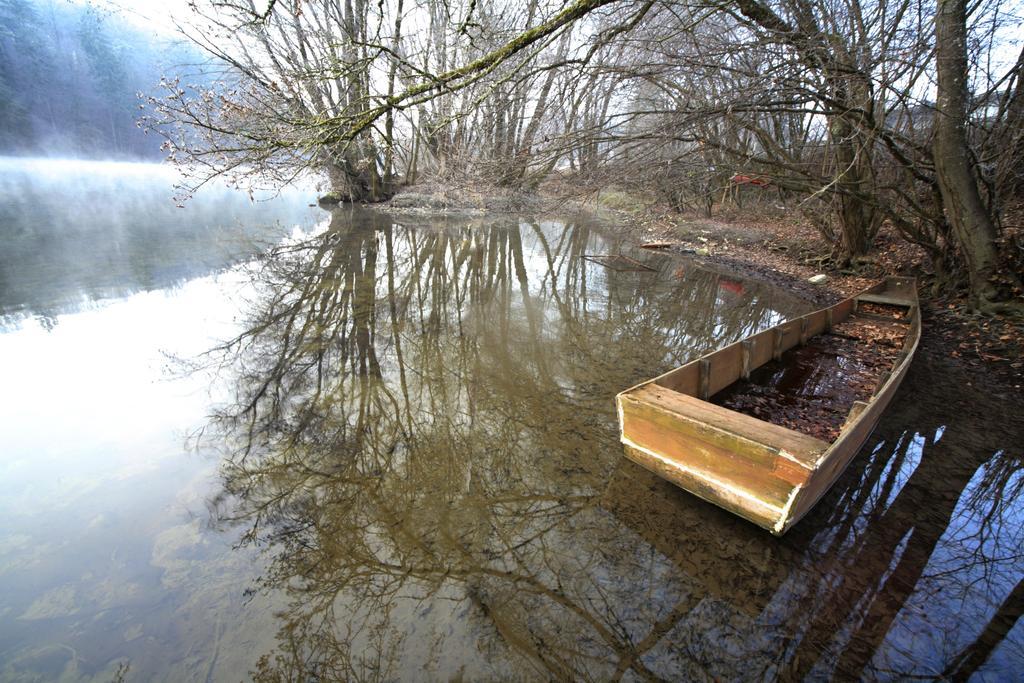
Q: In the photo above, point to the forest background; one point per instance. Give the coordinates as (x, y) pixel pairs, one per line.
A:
(860, 117)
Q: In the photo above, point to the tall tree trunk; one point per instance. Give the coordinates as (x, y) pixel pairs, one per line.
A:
(972, 225)
(846, 90)
(858, 217)
(389, 123)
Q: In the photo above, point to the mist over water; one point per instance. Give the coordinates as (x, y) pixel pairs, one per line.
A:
(76, 232)
(104, 281)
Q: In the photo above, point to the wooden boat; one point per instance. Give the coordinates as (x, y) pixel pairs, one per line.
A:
(771, 475)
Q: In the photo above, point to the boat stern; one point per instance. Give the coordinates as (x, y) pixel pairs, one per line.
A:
(748, 467)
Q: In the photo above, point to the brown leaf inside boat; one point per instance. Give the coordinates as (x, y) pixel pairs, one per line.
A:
(812, 388)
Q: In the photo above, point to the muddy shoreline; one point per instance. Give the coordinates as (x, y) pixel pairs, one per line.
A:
(989, 347)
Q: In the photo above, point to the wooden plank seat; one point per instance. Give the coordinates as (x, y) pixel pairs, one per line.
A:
(885, 300)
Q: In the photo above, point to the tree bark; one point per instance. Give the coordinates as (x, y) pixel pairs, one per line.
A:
(389, 123)
(858, 218)
(972, 225)
(352, 181)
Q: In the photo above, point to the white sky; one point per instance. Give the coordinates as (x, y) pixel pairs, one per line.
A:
(158, 15)
(152, 15)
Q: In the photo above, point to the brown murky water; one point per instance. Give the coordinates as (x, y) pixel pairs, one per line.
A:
(424, 446)
(413, 473)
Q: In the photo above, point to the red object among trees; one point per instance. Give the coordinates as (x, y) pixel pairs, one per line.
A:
(731, 286)
(740, 179)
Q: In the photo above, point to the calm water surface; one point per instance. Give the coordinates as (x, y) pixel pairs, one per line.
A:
(386, 449)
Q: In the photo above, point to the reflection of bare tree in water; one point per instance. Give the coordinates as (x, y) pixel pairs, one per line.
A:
(889, 539)
(422, 438)
(424, 417)
(969, 660)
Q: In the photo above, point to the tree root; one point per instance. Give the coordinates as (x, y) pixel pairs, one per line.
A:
(1013, 309)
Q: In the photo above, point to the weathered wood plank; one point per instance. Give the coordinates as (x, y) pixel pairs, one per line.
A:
(855, 411)
(902, 287)
(705, 378)
(790, 334)
(841, 311)
(761, 349)
(726, 367)
(885, 300)
(817, 322)
(691, 445)
(734, 500)
(752, 438)
(683, 380)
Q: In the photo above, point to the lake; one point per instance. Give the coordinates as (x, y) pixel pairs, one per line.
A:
(256, 440)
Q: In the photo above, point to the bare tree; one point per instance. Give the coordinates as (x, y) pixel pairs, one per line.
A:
(967, 213)
(303, 63)
(827, 102)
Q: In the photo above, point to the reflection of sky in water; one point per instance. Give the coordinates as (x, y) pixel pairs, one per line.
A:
(97, 374)
(97, 496)
(105, 557)
(102, 279)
